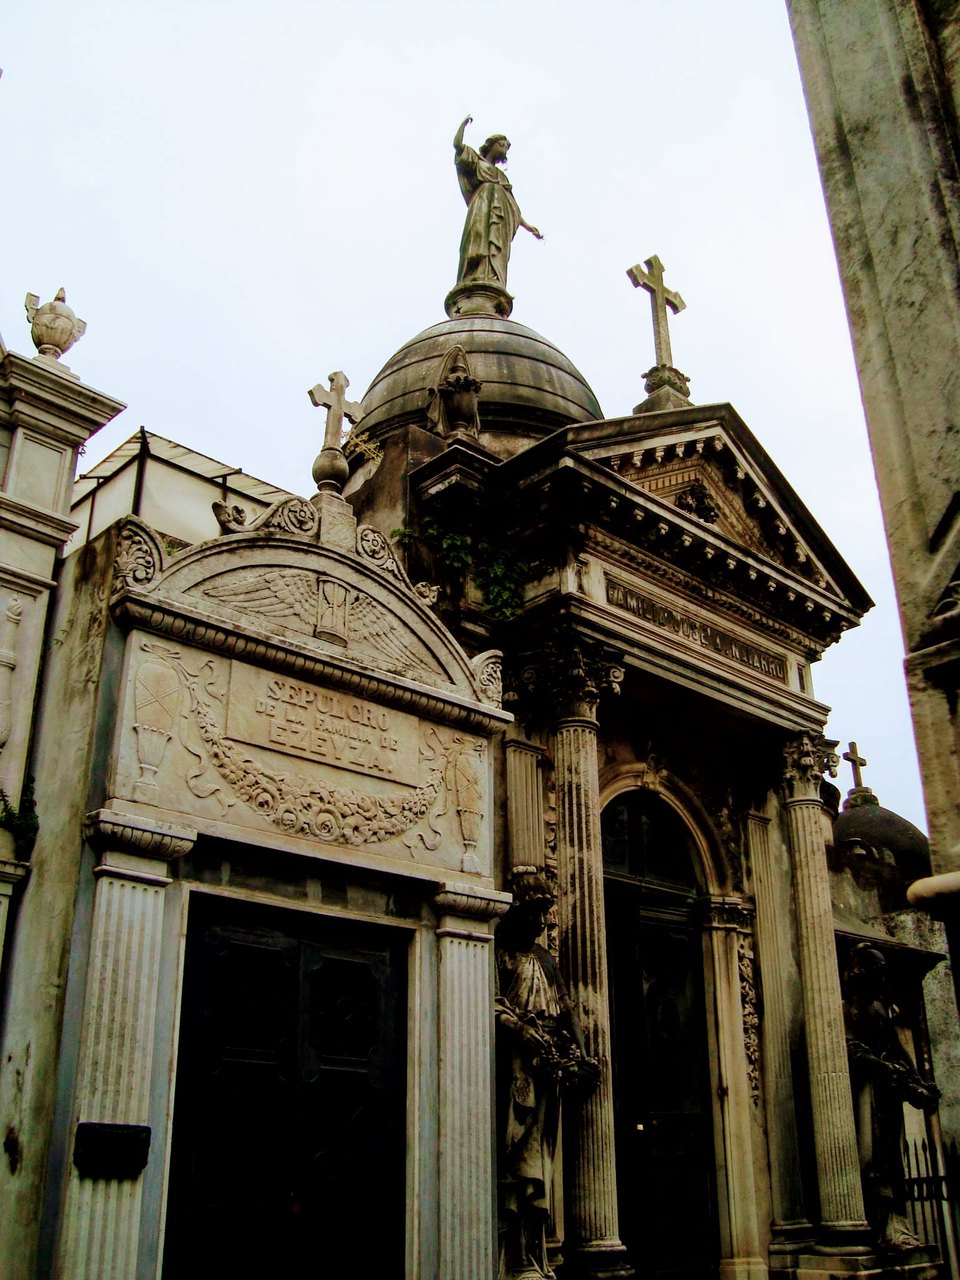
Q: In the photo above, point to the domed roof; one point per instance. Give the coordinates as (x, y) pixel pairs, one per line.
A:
(879, 828)
(530, 388)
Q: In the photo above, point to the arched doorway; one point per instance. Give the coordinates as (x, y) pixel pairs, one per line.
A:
(666, 1175)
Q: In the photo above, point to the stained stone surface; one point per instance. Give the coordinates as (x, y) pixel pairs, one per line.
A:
(529, 386)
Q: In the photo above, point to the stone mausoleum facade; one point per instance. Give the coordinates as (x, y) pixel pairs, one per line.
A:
(293, 759)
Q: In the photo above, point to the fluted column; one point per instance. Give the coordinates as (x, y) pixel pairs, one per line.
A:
(842, 1220)
(789, 1229)
(593, 1233)
(100, 1230)
(467, 1231)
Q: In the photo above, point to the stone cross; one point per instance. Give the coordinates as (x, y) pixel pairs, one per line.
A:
(857, 763)
(660, 298)
(337, 406)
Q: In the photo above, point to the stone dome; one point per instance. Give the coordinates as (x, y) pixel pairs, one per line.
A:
(881, 829)
(530, 388)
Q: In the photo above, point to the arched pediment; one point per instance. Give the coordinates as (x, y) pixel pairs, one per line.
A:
(346, 599)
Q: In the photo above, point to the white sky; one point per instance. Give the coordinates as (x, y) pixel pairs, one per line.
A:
(241, 197)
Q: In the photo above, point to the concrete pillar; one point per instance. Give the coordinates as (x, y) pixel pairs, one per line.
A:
(593, 1234)
(842, 1221)
(100, 1228)
(790, 1230)
(467, 1188)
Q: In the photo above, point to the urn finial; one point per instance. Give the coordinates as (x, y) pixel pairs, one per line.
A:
(54, 327)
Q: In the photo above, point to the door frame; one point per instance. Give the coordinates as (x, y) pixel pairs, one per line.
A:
(732, 1034)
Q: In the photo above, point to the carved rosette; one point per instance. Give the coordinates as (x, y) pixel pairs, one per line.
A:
(567, 677)
(808, 757)
(290, 516)
(374, 546)
(488, 673)
(138, 558)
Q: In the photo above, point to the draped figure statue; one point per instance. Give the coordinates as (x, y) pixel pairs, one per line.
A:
(539, 1055)
(493, 214)
(883, 1078)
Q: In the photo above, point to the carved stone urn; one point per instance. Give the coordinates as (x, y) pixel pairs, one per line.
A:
(54, 327)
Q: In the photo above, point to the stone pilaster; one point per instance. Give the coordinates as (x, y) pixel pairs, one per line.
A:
(789, 1228)
(12, 873)
(100, 1230)
(524, 803)
(728, 927)
(467, 1228)
(593, 1245)
(842, 1219)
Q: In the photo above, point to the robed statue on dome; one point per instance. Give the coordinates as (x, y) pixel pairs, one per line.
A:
(493, 217)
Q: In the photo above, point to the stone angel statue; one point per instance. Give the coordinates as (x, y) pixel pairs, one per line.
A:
(493, 215)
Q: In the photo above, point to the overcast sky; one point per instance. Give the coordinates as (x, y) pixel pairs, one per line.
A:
(240, 198)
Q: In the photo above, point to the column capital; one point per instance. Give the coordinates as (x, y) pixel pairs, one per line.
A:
(12, 873)
(109, 832)
(734, 914)
(565, 678)
(467, 901)
(808, 756)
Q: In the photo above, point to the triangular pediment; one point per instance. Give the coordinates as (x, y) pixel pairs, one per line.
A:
(715, 472)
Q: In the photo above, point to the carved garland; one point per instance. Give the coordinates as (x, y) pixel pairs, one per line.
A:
(751, 1015)
(300, 807)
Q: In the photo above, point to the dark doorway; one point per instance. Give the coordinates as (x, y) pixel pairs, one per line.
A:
(666, 1180)
(288, 1154)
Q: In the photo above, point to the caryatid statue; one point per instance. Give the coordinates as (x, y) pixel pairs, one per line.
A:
(493, 217)
(540, 1055)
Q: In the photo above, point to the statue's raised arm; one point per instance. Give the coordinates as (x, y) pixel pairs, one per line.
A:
(493, 214)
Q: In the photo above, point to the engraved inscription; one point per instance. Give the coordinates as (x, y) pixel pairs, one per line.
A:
(311, 723)
(695, 631)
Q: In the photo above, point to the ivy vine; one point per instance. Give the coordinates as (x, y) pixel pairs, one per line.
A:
(498, 571)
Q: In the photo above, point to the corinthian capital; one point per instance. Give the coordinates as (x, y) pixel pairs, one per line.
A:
(808, 757)
(564, 678)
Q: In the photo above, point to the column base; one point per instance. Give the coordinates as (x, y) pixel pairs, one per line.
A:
(788, 1240)
(601, 1260)
(922, 1263)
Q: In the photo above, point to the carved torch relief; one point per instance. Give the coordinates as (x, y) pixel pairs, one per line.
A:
(252, 746)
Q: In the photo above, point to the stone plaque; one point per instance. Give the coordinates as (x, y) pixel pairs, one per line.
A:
(695, 630)
(311, 723)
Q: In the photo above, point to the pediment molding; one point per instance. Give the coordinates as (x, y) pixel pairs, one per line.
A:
(286, 600)
(705, 474)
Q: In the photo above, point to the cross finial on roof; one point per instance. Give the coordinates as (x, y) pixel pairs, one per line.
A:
(663, 374)
(330, 470)
(859, 794)
(856, 762)
(660, 298)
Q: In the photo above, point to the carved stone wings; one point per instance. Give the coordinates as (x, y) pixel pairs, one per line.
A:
(327, 609)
